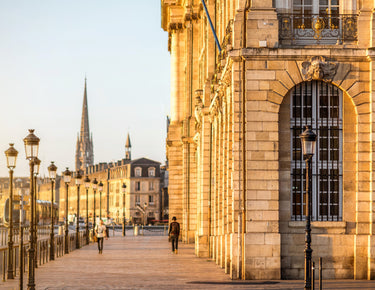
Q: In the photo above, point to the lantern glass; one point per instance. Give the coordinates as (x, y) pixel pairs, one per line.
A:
(67, 175)
(100, 186)
(308, 141)
(52, 169)
(31, 145)
(78, 179)
(123, 188)
(308, 147)
(36, 165)
(95, 184)
(11, 155)
(87, 182)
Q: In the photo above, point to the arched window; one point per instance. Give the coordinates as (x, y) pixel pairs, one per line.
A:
(317, 104)
(138, 171)
(151, 171)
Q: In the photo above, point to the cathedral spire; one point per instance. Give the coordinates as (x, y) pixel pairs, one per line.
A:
(85, 148)
(85, 130)
(128, 147)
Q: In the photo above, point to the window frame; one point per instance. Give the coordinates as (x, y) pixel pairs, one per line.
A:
(151, 170)
(321, 114)
(138, 171)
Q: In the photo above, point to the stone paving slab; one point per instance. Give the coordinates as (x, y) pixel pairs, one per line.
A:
(143, 262)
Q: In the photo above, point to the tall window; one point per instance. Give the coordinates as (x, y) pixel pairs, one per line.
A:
(306, 17)
(151, 199)
(137, 186)
(151, 186)
(138, 171)
(322, 7)
(137, 199)
(151, 172)
(320, 105)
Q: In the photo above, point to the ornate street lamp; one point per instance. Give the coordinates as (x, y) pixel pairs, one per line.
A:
(87, 186)
(123, 210)
(94, 186)
(308, 140)
(11, 155)
(78, 179)
(100, 185)
(31, 149)
(67, 177)
(52, 169)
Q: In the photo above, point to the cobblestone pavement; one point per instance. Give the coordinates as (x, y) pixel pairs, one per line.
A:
(143, 262)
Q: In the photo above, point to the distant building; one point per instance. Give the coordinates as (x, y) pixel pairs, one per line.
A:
(143, 195)
(164, 200)
(21, 186)
(85, 147)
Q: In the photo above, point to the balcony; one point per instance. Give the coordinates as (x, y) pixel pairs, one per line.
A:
(298, 29)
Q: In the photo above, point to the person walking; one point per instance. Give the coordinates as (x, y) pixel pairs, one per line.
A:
(100, 233)
(174, 232)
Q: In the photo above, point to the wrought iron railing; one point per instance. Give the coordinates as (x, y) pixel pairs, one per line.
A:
(297, 29)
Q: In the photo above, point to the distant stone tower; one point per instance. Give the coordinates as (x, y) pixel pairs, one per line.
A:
(128, 146)
(84, 148)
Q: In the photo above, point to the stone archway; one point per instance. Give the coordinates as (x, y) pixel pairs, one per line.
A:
(328, 241)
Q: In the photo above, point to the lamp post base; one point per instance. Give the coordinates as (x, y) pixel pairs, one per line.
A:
(66, 242)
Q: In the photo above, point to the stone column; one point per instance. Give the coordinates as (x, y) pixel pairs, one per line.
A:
(262, 25)
(174, 143)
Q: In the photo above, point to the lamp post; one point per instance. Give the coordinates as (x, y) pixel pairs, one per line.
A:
(67, 177)
(52, 169)
(11, 155)
(123, 210)
(31, 149)
(78, 179)
(94, 186)
(87, 186)
(36, 172)
(308, 139)
(100, 185)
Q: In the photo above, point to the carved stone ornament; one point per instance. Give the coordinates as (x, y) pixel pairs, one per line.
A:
(318, 68)
(198, 109)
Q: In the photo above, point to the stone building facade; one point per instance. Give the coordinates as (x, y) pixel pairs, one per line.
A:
(141, 200)
(236, 172)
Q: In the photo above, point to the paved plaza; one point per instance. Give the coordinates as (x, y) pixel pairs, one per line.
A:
(146, 262)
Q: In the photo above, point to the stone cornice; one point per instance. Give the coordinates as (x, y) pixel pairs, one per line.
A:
(340, 54)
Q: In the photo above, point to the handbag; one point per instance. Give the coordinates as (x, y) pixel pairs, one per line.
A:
(95, 239)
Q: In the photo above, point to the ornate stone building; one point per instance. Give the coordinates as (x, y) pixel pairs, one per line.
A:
(140, 202)
(84, 147)
(237, 181)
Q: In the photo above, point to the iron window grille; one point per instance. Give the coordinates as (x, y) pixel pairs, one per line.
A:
(319, 105)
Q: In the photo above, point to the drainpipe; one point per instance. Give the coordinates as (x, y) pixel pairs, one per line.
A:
(243, 121)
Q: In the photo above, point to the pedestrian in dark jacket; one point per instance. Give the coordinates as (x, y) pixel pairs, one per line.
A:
(174, 232)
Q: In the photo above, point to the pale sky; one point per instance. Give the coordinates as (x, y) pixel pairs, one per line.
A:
(46, 49)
